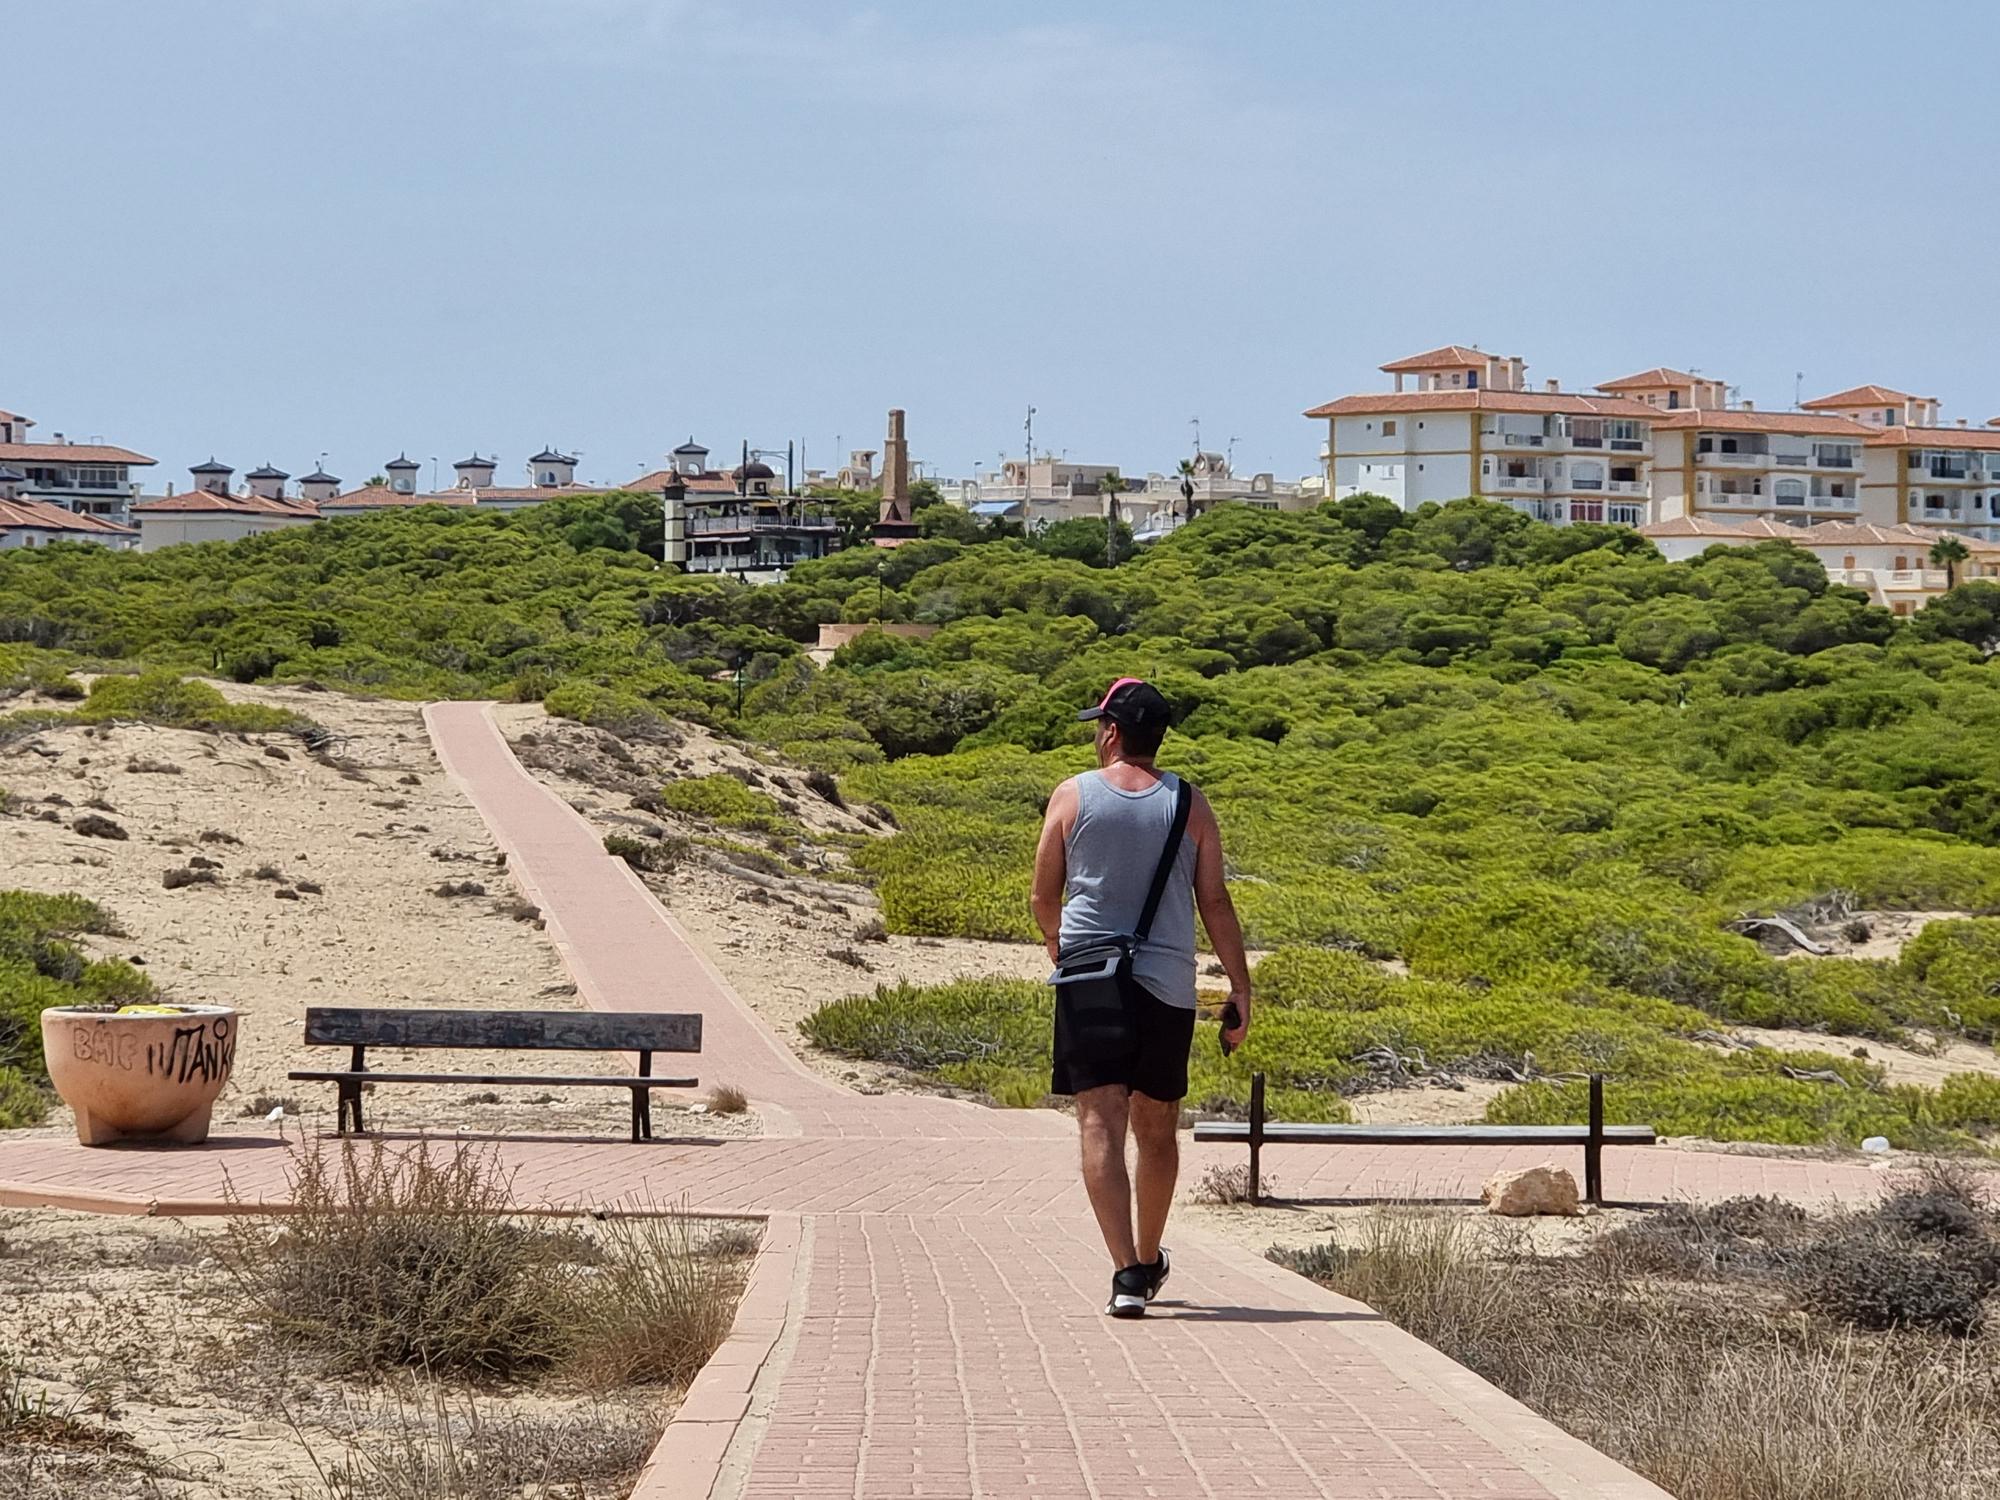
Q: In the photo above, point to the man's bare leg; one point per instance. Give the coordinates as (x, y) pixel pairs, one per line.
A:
(1156, 1128)
(1101, 1115)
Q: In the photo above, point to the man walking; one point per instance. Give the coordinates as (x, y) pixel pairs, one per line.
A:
(1112, 847)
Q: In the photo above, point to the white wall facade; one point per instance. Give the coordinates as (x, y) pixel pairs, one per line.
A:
(1411, 458)
(173, 528)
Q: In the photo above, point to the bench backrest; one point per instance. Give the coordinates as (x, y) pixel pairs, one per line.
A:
(518, 1030)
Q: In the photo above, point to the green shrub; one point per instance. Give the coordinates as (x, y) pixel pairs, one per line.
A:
(1959, 962)
(722, 798)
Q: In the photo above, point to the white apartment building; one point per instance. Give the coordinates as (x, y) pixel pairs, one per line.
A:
(1471, 428)
(92, 479)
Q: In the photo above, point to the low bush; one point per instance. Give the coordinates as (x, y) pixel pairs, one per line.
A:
(410, 1260)
(42, 966)
(653, 856)
(1880, 1282)
(725, 799)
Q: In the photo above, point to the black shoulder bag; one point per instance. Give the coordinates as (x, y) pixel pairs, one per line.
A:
(1091, 979)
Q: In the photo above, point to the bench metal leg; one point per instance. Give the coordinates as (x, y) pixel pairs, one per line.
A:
(349, 1107)
(642, 1115)
(1593, 1146)
(1256, 1139)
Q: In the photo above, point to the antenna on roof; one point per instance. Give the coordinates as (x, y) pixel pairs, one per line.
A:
(1798, 388)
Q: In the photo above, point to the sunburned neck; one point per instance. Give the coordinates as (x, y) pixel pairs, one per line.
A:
(1130, 774)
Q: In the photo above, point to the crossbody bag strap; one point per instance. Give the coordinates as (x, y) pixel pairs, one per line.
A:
(1183, 800)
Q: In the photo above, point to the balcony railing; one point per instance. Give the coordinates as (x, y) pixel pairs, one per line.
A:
(1836, 461)
(1523, 439)
(1717, 456)
(1520, 482)
(1586, 484)
(1626, 486)
(702, 525)
(1628, 445)
(1578, 440)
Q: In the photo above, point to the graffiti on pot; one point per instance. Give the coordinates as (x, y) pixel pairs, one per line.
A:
(204, 1050)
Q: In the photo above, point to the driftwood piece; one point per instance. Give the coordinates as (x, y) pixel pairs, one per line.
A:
(1791, 931)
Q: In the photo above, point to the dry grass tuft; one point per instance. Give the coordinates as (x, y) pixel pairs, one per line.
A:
(409, 1260)
(423, 1443)
(662, 1303)
(1733, 1385)
(727, 1099)
(1226, 1186)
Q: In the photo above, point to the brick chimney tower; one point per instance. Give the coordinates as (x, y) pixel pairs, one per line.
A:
(896, 522)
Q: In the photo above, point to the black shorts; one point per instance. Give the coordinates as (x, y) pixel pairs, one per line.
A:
(1144, 1047)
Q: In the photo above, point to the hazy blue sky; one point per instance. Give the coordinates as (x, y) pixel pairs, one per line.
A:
(272, 228)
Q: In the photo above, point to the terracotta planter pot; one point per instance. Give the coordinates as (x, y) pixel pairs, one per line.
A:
(140, 1077)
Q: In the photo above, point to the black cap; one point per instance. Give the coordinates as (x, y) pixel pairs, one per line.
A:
(1132, 703)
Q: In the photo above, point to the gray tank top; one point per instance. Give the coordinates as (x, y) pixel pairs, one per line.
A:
(1112, 853)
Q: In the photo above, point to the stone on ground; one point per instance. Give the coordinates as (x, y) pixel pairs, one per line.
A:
(1535, 1190)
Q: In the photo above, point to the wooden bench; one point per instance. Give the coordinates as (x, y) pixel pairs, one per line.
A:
(1260, 1132)
(504, 1030)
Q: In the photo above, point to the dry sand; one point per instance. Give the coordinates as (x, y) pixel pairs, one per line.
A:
(378, 827)
(130, 1328)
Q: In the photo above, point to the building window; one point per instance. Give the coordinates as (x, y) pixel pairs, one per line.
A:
(1472, 380)
(1388, 429)
(1673, 400)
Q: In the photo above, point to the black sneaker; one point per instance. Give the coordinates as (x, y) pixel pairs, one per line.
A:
(1129, 1291)
(1156, 1274)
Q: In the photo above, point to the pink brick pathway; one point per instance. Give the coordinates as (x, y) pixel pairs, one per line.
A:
(923, 1319)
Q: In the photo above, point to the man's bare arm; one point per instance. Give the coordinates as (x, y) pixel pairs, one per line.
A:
(1218, 912)
(1052, 864)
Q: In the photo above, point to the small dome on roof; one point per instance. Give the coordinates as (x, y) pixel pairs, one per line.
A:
(265, 471)
(689, 448)
(320, 476)
(402, 461)
(755, 469)
(211, 467)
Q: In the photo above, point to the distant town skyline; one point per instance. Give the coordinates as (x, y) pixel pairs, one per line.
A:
(354, 227)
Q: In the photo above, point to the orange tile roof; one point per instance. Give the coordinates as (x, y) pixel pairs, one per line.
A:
(40, 515)
(1520, 401)
(1657, 378)
(1982, 438)
(1860, 395)
(706, 483)
(68, 453)
(1735, 419)
(207, 502)
(381, 497)
(1755, 526)
(1450, 357)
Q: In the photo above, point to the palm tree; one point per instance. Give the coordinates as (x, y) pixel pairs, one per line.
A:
(1109, 487)
(1948, 552)
(1186, 471)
